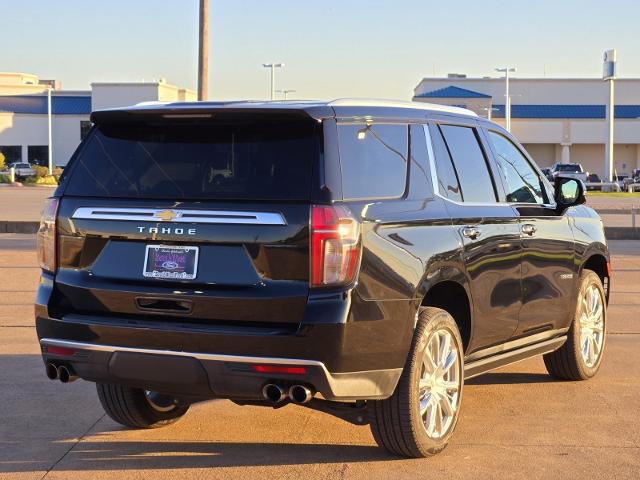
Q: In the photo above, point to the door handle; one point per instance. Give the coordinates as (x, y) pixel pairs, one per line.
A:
(529, 229)
(471, 232)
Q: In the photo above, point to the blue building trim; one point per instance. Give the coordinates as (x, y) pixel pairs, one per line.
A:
(567, 111)
(452, 92)
(37, 104)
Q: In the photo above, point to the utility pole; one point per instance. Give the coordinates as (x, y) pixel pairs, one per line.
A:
(273, 67)
(507, 96)
(609, 74)
(203, 51)
(285, 92)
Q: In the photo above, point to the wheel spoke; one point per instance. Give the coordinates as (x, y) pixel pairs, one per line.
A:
(585, 306)
(430, 421)
(446, 406)
(445, 350)
(450, 361)
(595, 300)
(437, 410)
(451, 386)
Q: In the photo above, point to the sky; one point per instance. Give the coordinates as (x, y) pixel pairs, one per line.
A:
(331, 48)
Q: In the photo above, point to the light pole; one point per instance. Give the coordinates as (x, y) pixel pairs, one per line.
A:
(609, 74)
(49, 128)
(285, 92)
(507, 97)
(273, 67)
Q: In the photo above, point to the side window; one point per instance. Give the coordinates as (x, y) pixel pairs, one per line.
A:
(521, 181)
(419, 174)
(470, 163)
(373, 159)
(448, 185)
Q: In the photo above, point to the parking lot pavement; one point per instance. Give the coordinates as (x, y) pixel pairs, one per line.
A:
(516, 422)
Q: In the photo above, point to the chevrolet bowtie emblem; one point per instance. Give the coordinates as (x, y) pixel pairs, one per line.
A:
(166, 215)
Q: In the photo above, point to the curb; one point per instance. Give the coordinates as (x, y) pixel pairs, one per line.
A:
(622, 233)
(18, 227)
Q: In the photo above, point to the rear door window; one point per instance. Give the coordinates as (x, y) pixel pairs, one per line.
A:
(197, 161)
(470, 163)
(373, 159)
(448, 185)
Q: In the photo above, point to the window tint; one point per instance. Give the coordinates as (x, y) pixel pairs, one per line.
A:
(420, 176)
(373, 160)
(448, 185)
(470, 164)
(520, 179)
(254, 161)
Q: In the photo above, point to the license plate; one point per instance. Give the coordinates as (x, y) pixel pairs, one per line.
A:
(170, 261)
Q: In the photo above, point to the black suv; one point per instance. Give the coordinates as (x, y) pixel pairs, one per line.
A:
(358, 258)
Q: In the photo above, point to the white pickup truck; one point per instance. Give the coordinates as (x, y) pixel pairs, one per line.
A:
(23, 169)
(569, 170)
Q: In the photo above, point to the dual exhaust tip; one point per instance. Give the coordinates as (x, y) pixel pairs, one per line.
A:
(61, 372)
(297, 393)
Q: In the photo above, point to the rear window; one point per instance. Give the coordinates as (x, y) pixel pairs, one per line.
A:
(373, 160)
(266, 161)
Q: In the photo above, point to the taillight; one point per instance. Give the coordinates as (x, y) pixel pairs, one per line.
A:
(46, 236)
(335, 245)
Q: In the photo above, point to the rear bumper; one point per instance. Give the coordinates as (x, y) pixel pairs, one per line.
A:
(350, 349)
(211, 375)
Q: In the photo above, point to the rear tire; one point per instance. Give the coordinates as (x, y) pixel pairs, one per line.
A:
(138, 408)
(421, 415)
(581, 355)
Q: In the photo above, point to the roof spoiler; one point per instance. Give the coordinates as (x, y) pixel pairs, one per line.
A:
(157, 111)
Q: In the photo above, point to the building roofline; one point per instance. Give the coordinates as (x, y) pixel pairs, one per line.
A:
(541, 79)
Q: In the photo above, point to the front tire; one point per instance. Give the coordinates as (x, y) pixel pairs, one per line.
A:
(581, 355)
(138, 408)
(420, 417)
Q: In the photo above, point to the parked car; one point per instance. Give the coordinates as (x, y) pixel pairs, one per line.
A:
(569, 170)
(633, 178)
(363, 259)
(593, 178)
(23, 169)
(547, 173)
(621, 180)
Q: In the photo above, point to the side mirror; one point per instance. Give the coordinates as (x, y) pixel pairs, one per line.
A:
(568, 192)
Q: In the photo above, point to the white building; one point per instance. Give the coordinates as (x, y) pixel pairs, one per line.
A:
(557, 120)
(23, 113)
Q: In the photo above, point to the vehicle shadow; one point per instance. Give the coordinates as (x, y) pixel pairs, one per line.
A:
(141, 455)
(505, 378)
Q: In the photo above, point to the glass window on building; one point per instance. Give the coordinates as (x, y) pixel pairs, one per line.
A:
(38, 155)
(11, 153)
(85, 126)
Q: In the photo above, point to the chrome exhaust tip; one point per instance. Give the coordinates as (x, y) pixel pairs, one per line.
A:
(52, 371)
(66, 374)
(300, 394)
(273, 393)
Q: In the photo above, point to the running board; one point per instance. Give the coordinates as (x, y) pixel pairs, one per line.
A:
(484, 365)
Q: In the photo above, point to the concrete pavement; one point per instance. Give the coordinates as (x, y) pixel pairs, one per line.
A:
(516, 423)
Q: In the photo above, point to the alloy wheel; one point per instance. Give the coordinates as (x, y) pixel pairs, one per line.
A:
(591, 326)
(440, 383)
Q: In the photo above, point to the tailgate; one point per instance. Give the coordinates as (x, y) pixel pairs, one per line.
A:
(252, 260)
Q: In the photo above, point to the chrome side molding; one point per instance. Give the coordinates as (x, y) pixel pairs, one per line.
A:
(179, 215)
